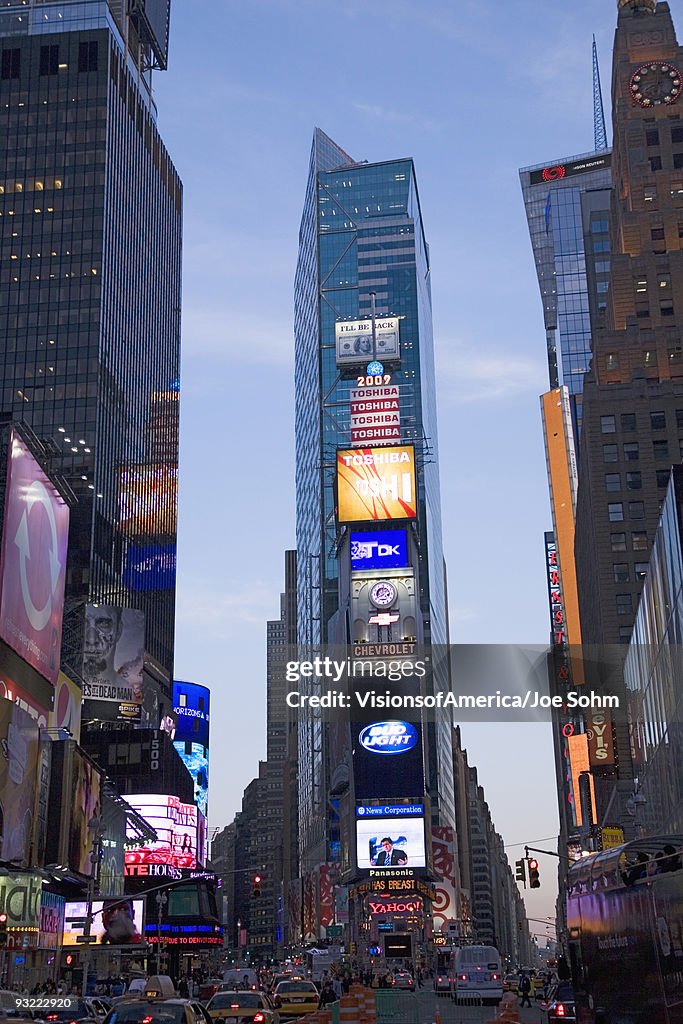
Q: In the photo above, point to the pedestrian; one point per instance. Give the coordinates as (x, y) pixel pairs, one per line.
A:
(327, 995)
(525, 989)
(183, 990)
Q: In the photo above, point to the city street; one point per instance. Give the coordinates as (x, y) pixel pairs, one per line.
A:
(428, 1005)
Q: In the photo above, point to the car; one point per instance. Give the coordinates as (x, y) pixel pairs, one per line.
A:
(295, 998)
(537, 986)
(402, 979)
(152, 1010)
(99, 1006)
(77, 1011)
(560, 1005)
(11, 1009)
(250, 1007)
(208, 988)
(444, 982)
(510, 983)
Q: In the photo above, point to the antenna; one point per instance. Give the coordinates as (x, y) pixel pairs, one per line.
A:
(598, 109)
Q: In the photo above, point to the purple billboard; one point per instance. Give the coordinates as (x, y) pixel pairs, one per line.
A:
(33, 562)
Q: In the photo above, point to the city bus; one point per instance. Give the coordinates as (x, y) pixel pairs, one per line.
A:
(625, 925)
(478, 974)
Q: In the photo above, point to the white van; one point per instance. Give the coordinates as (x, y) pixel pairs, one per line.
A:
(240, 977)
(478, 973)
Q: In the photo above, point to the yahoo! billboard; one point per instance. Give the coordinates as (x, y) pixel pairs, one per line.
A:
(33, 562)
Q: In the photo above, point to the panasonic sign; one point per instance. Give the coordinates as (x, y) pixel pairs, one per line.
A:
(383, 549)
(388, 737)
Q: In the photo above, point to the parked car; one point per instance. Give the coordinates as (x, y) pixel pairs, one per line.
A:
(244, 1007)
(560, 1006)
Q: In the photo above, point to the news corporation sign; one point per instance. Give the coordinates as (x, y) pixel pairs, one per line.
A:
(388, 737)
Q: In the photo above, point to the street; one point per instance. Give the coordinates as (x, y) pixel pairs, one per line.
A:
(429, 1005)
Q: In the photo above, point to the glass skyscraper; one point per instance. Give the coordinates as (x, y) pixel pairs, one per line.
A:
(90, 286)
(362, 250)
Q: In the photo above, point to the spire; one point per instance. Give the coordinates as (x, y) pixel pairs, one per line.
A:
(598, 110)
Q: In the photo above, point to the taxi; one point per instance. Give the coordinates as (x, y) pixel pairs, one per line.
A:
(243, 1007)
(294, 998)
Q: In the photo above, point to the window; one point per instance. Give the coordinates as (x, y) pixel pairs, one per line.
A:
(631, 451)
(49, 60)
(678, 161)
(656, 234)
(641, 285)
(655, 163)
(650, 357)
(624, 604)
(661, 450)
(87, 56)
(615, 511)
(608, 424)
(628, 421)
(613, 481)
(657, 421)
(652, 137)
(610, 453)
(677, 134)
(650, 194)
(612, 361)
(663, 477)
(679, 417)
(599, 227)
(642, 310)
(636, 509)
(634, 481)
(620, 570)
(640, 570)
(618, 541)
(625, 634)
(677, 190)
(639, 540)
(11, 62)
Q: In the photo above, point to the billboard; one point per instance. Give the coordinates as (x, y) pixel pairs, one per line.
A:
(176, 826)
(354, 345)
(19, 742)
(556, 172)
(195, 757)
(383, 549)
(86, 802)
(150, 567)
(390, 842)
(113, 654)
(116, 922)
(51, 920)
(67, 709)
(376, 484)
(192, 705)
(148, 499)
(375, 415)
(32, 562)
(153, 20)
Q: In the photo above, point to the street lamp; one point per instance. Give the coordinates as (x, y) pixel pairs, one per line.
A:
(96, 826)
(162, 900)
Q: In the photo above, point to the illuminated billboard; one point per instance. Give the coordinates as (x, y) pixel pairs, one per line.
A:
(18, 782)
(85, 803)
(116, 922)
(383, 549)
(376, 484)
(150, 567)
(390, 841)
(113, 654)
(148, 500)
(175, 824)
(354, 344)
(32, 562)
(191, 705)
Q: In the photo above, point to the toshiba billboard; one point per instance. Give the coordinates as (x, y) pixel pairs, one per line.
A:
(376, 484)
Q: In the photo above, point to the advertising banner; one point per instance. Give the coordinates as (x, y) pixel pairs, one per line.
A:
(9, 690)
(86, 802)
(192, 705)
(19, 741)
(116, 922)
(387, 759)
(67, 710)
(113, 654)
(391, 842)
(376, 484)
(375, 415)
(354, 341)
(148, 500)
(51, 920)
(33, 562)
(150, 567)
(20, 896)
(175, 824)
(383, 549)
(446, 905)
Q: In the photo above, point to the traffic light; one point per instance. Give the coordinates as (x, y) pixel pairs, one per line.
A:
(534, 880)
(3, 929)
(520, 874)
(256, 886)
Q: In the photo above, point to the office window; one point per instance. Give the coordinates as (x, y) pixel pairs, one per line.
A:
(636, 509)
(656, 163)
(663, 477)
(678, 161)
(632, 451)
(639, 540)
(640, 570)
(625, 634)
(658, 420)
(651, 137)
(608, 424)
(679, 417)
(656, 234)
(661, 450)
(620, 571)
(11, 64)
(634, 481)
(49, 60)
(87, 56)
(628, 421)
(615, 511)
(613, 481)
(677, 134)
(610, 453)
(624, 604)
(612, 361)
(618, 541)
(650, 357)
(650, 194)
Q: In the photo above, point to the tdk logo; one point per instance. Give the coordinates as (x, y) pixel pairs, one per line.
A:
(383, 549)
(388, 737)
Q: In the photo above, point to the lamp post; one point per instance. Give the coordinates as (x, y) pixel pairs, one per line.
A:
(162, 900)
(96, 826)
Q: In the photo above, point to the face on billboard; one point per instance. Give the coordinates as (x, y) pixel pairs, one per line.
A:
(33, 563)
(175, 824)
(376, 484)
(18, 781)
(384, 549)
(113, 654)
(148, 500)
(85, 803)
(390, 843)
(116, 922)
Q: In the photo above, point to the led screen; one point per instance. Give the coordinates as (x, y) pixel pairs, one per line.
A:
(175, 824)
(376, 484)
(383, 549)
(390, 843)
(116, 922)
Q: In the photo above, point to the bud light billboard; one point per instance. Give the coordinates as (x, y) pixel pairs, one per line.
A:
(191, 705)
(383, 549)
(389, 737)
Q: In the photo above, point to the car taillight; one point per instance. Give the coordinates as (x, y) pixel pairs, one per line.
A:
(494, 977)
(259, 1018)
(560, 1010)
(439, 979)
(463, 977)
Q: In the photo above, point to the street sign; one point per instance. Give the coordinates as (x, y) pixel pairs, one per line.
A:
(333, 931)
(78, 922)
(86, 938)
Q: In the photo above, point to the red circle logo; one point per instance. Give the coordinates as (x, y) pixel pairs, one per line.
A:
(553, 173)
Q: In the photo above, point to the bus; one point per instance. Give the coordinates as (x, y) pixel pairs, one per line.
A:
(478, 974)
(625, 926)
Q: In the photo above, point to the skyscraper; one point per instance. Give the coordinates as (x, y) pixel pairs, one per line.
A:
(90, 222)
(363, 319)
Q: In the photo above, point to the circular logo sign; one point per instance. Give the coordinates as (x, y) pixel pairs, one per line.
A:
(388, 737)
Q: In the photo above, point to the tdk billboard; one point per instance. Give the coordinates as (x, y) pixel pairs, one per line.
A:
(382, 549)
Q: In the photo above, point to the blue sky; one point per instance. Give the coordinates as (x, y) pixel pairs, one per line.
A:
(472, 92)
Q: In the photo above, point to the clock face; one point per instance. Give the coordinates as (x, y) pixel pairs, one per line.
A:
(655, 84)
(383, 594)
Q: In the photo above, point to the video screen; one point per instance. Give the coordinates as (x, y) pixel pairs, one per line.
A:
(390, 843)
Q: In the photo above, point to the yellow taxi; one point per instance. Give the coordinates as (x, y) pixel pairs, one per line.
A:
(242, 1008)
(294, 998)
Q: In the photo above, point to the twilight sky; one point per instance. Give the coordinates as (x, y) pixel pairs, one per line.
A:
(472, 92)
